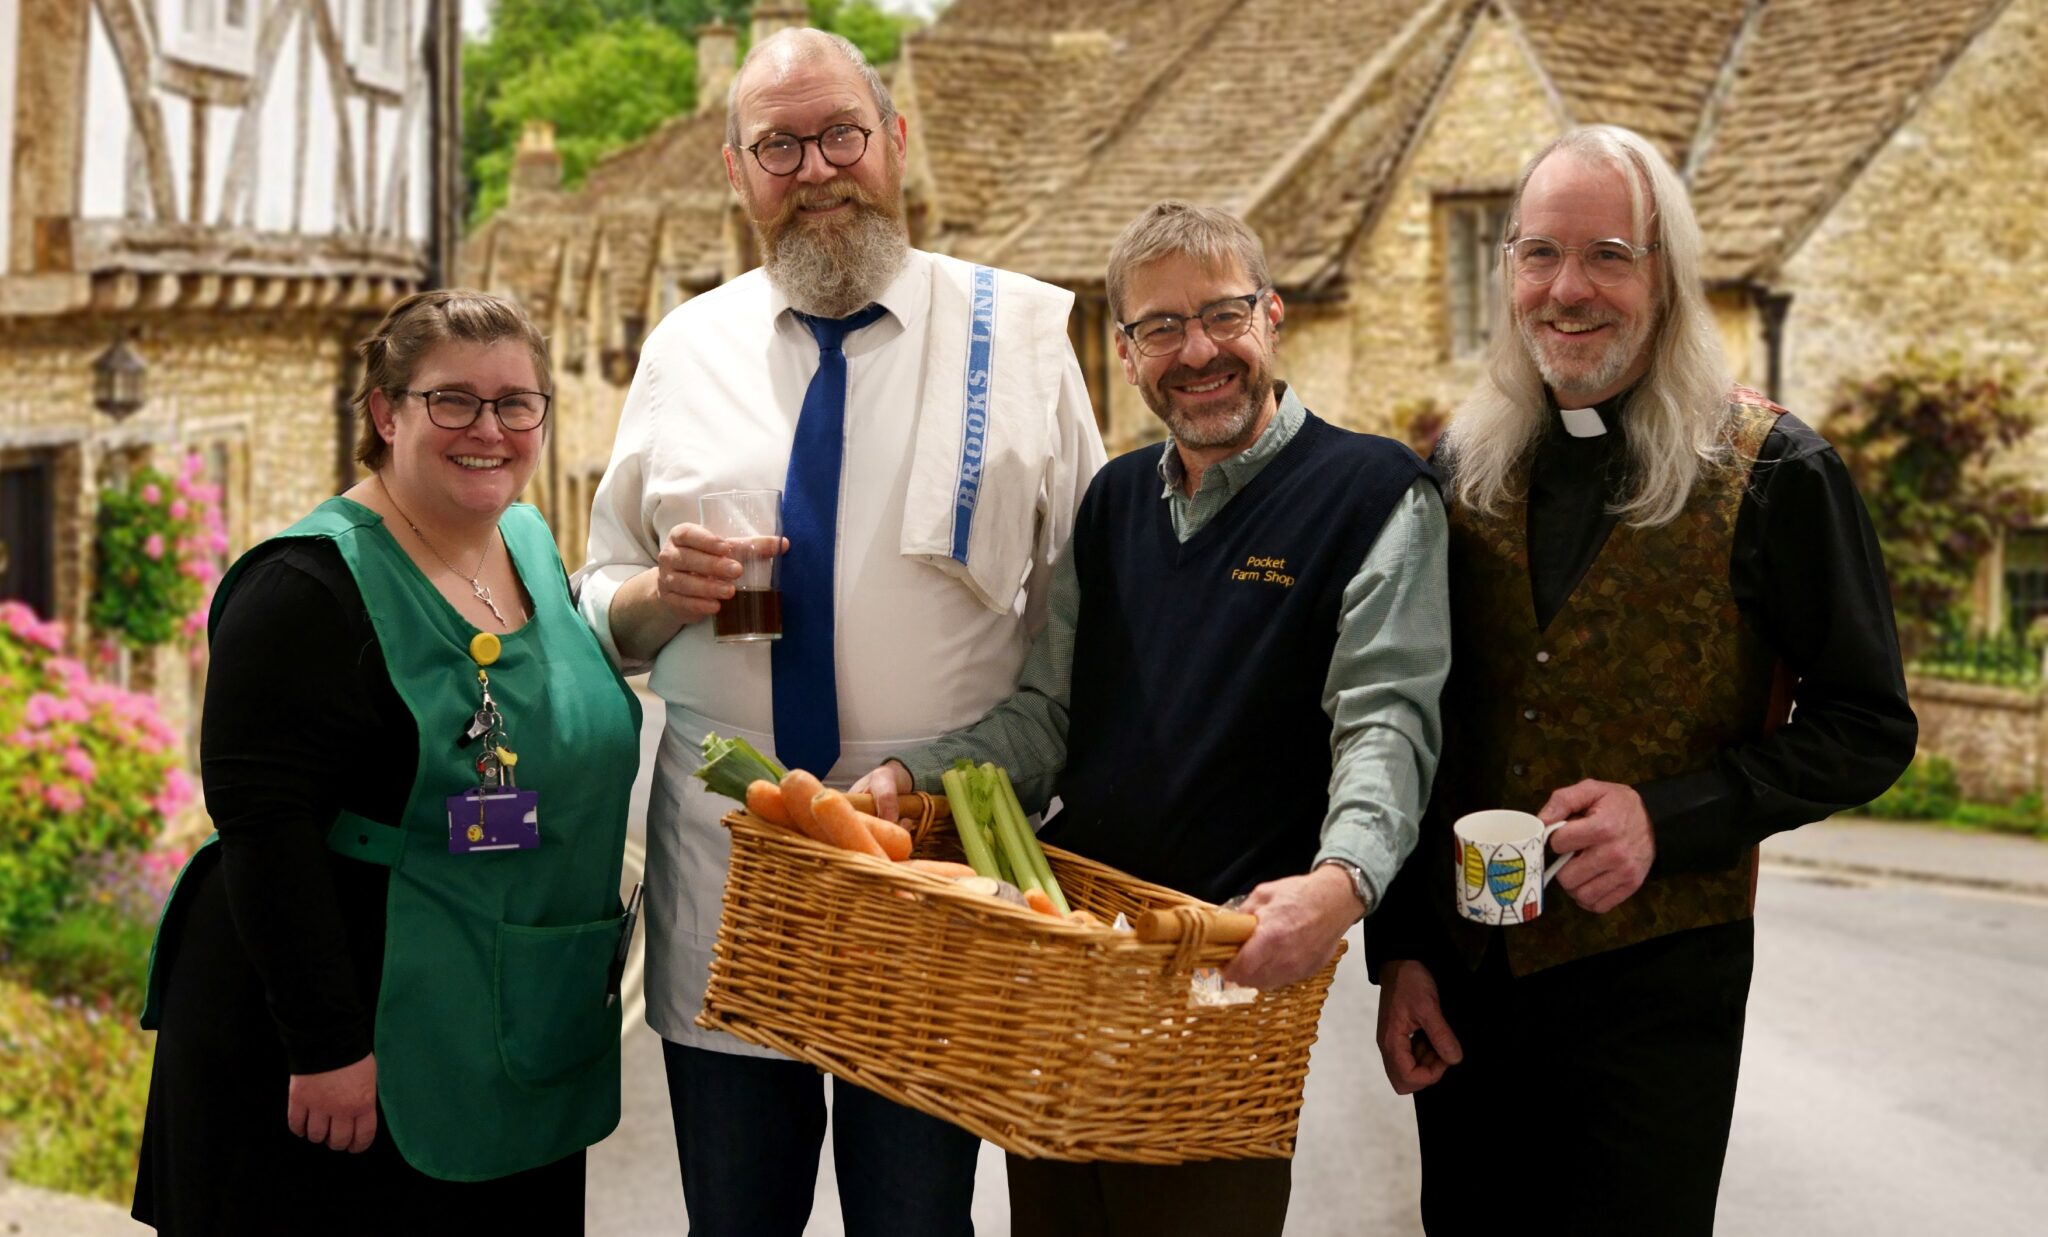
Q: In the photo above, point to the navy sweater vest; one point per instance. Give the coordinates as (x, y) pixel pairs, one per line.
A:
(1198, 754)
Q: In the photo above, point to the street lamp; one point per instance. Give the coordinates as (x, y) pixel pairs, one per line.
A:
(118, 386)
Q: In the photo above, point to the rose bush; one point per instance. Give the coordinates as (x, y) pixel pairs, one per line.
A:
(86, 769)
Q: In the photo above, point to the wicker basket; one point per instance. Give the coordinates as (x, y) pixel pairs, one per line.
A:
(1045, 1037)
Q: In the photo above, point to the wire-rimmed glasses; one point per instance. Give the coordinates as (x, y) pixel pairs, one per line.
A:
(1540, 259)
(1164, 334)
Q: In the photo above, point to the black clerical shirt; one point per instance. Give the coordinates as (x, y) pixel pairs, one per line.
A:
(1805, 569)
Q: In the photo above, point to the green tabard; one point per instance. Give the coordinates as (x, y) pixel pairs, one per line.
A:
(496, 1051)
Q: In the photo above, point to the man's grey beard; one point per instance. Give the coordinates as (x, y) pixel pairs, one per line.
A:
(1218, 429)
(1613, 363)
(837, 266)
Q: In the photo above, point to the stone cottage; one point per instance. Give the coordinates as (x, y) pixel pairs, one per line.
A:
(1871, 174)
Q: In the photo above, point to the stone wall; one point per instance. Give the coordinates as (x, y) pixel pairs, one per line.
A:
(257, 394)
(1315, 357)
(1493, 117)
(1131, 423)
(1736, 321)
(586, 415)
(1942, 242)
(1996, 737)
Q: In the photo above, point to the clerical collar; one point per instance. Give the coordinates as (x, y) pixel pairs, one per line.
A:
(1591, 422)
(1582, 422)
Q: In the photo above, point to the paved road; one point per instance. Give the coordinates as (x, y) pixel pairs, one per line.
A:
(1894, 1076)
(1894, 1082)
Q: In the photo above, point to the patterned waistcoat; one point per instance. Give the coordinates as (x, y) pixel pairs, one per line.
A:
(1646, 672)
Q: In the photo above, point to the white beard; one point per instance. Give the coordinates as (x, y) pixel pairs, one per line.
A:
(835, 268)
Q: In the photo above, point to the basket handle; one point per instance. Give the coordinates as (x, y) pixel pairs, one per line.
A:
(915, 806)
(1207, 924)
(1191, 928)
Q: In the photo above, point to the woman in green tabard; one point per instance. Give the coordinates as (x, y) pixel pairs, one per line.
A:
(384, 990)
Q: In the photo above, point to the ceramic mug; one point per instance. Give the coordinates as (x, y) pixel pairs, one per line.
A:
(1501, 873)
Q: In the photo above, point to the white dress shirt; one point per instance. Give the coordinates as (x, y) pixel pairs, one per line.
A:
(713, 407)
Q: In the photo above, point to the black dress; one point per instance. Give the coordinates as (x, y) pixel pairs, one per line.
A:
(272, 965)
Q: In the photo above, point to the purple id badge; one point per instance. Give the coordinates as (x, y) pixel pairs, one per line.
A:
(493, 818)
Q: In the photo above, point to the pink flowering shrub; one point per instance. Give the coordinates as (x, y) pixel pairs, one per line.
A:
(160, 545)
(85, 769)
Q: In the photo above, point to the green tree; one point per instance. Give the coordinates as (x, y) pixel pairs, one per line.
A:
(606, 88)
(879, 35)
(606, 72)
(1920, 441)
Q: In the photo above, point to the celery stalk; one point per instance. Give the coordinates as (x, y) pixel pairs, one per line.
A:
(731, 765)
(1040, 866)
(1011, 832)
(968, 825)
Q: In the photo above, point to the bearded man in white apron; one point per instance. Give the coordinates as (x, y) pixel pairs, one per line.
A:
(931, 432)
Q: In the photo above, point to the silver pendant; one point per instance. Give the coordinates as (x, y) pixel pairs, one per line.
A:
(483, 594)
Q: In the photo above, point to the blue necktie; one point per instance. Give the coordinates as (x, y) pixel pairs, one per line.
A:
(806, 683)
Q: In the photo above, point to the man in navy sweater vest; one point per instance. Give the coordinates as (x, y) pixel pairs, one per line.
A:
(1236, 689)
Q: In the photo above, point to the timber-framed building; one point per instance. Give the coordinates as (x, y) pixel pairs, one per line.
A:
(237, 188)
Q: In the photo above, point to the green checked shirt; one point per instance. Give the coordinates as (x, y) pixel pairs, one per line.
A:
(1392, 654)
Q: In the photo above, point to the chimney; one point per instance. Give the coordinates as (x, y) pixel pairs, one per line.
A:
(536, 167)
(718, 48)
(773, 15)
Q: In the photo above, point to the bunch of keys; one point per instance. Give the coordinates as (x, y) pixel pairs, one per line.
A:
(487, 719)
(496, 815)
(494, 767)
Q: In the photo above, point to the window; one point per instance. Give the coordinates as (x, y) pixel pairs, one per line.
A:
(2026, 579)
(377, 41)
(214, 34)
(1471, 229)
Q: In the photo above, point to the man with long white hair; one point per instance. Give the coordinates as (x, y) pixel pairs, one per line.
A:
(930, 432)
(1649, 567)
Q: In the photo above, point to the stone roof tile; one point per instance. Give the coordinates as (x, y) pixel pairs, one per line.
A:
(1819, 88)
(1234, 108)
(1310, 218)
(524, 255)
(1649, 65)
(1016, 98)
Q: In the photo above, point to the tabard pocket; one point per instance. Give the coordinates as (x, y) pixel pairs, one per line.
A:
(552, 1016)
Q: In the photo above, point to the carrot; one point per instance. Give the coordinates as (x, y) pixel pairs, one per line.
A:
(940, 867)
(893, 838)
(764, 799)
(798, 789)
(841, 825)
(1041, 901)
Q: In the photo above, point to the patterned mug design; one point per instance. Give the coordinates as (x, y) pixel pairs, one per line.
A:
(1498, 851)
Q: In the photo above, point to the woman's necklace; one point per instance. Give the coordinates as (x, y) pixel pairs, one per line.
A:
(476, 585)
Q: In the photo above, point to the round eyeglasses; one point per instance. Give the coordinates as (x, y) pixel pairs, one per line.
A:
(1539, 259)
(1165, 334)
(517, 411)
(781, 154)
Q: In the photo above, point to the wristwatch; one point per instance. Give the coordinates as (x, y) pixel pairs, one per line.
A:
(1359, 885)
